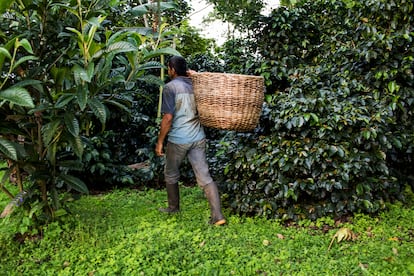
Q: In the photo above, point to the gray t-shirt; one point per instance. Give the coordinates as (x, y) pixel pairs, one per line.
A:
(178, 99)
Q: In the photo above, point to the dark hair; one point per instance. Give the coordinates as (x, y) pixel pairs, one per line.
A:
(179, 65)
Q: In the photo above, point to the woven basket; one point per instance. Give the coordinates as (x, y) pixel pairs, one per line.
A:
(228, 101)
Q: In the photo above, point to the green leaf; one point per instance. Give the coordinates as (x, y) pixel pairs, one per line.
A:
(138, 11)
(74, 183)
(17, 95)
(90, 70)
(341, 152)
(121, 47)
(151, 7)
(5, 4)
(4, 52)
(396, 142)
(82, 96)
(393, 86)
(76, 32)
(76, 144)
(8, 149)
(72, 124)
(315, 117)
(162, 51)
(64, 100)
(151, 79)
(359, 189)
(80, 74)
(51, 151)
(150, 65)
(366, 134)
(98, 108)
(332, 150)
(25, 44)
(29, 82)
(50, 131)
(22, 60)
(118, 104)
(96, 21)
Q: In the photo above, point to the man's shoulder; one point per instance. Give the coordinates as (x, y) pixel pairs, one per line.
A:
(180, 80)
(179, 83)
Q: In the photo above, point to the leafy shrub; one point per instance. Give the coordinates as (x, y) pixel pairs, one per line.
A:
(328, 142)
(65, 75)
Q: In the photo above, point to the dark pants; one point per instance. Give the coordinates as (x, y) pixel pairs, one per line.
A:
(196, 153)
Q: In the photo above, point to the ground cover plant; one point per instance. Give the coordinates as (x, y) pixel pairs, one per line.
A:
(122, 233)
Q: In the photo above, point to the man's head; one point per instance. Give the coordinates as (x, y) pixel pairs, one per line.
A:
(177, 66)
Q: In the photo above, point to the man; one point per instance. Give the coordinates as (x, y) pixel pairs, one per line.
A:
(186, 138)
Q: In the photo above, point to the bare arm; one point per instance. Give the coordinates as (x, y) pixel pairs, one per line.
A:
(165, 128)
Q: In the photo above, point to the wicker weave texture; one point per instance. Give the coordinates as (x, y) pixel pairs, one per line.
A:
(228, 101)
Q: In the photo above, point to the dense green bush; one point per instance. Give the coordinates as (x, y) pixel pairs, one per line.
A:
(342, 114)
(66, 74)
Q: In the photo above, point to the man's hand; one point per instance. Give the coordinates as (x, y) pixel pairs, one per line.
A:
(158, 149)
(164, 129)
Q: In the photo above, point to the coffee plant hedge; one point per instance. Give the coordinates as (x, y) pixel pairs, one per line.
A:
(336, 133)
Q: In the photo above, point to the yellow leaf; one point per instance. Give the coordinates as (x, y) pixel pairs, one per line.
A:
(280, 236)
(342, 234)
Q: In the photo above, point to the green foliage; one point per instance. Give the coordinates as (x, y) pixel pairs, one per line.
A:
(238, 56)
(66, 74)
(244, 14)
(338, 122)
(205, 62)
(190, 42)
(123, 233)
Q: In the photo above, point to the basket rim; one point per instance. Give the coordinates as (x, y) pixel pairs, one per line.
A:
(226, 74)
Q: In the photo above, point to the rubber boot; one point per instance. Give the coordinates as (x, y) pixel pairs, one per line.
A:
(213, 198)
(173, 195)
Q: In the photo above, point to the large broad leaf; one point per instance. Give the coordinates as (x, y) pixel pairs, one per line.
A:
(96, 21)
(151, 79)
(76, 144)
(4, 53)
(5, 4)
(29, 82)
(116, 48)
(80, 74)
(142, 30)
(18, 96)
(138, 11)
(162, 51)
(118, 104)
(98, 109)
(74, 183)
(50, 131)
(22, 60)
(72, 124)
(145, 8)
(120, 47)
(25, 44)
(150, 65)
(82, 96)
(51, 153)
(73, 165)
(8, 149)
(64, 100)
